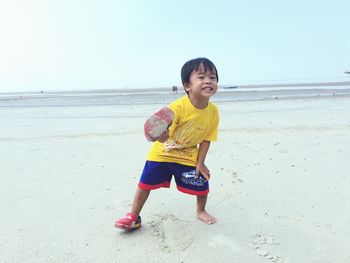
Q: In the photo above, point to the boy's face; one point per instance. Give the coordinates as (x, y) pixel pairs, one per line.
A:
(203, 84)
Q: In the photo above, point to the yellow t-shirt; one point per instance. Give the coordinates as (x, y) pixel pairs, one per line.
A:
(190, 127)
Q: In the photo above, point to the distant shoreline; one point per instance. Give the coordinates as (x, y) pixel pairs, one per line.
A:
(168, 89)
(278, 85)
(164, 97)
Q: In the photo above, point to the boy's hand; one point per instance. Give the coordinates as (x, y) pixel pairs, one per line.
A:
(164, 137)
(203, 170)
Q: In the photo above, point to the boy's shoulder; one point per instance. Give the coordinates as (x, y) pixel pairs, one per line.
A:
(178, 104)
(184, 102)
(213, 105)
(180, 100)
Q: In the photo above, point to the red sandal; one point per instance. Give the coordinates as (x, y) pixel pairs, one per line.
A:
(129, 222)
(156, 125)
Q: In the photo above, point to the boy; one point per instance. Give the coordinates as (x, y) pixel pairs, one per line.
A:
(176, 152)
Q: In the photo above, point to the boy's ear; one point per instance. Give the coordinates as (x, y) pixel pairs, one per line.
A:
(187, 86)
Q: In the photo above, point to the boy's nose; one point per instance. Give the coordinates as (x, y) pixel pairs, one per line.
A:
(207, 80)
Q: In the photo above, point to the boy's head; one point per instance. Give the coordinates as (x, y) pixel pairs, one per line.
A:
(195, 65)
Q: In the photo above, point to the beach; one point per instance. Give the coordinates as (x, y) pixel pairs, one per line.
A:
(279, 183)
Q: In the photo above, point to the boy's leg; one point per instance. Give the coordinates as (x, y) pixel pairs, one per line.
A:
(154, 176)
(139, 200)
(188, 182)
(133, 220)
(201, 212)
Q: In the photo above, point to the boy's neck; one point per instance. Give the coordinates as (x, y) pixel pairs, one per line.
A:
(199, 103)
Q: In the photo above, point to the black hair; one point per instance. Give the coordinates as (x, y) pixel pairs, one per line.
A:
(194, 64)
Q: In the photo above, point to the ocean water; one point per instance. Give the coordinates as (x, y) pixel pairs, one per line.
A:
(159, 96)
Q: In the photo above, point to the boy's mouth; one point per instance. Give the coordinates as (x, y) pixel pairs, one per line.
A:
(207, 88)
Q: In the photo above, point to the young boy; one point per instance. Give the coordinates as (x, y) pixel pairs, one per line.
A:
(182, 150)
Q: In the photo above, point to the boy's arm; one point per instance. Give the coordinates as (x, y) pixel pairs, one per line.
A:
(202, 153)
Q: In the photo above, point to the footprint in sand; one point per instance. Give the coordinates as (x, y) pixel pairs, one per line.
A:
(236, 178)
(171, 232)
(266, 246)
(223, 242)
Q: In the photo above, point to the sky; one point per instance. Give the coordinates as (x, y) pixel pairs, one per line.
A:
(56, 45)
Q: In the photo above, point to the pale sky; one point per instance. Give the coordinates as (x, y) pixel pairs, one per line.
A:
(101, 44)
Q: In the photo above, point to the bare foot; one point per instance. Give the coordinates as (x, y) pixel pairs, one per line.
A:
(206, 218)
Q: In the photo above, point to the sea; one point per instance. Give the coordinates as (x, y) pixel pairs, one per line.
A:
(161, 96)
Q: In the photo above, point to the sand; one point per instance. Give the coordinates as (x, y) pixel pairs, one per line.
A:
(279, 188)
